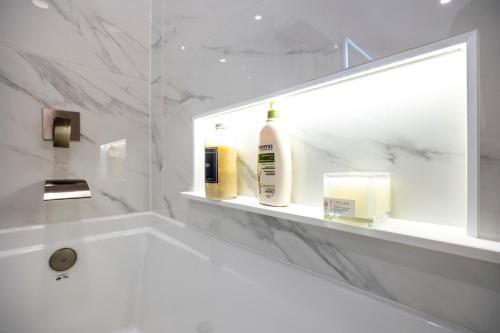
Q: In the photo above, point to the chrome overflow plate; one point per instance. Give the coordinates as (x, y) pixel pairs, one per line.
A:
(62, 259)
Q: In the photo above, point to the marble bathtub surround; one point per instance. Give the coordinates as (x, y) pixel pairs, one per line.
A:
(176, 278)
(90, 56)
(112, 107)
(86, 56)
(264, 56)
(446, 239)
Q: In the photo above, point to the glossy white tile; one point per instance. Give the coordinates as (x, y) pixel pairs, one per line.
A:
(110, 35)
(295, 42)
(113, 108)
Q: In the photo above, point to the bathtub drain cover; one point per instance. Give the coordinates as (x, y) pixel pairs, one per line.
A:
(62, 259)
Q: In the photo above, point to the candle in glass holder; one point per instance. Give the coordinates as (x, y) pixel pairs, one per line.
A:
(359, 195)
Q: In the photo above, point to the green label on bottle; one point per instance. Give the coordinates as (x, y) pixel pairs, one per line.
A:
(266, 158)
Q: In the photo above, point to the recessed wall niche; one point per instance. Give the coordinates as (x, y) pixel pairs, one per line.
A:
(413, 115)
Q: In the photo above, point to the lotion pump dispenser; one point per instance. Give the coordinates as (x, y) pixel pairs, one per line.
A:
(274, 169)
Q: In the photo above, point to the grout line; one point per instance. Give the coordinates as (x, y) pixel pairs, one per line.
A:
(150, 139)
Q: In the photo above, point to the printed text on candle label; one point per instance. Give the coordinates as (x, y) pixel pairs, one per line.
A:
(341, 207)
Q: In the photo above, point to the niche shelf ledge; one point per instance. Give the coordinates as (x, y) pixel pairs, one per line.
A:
(447, 239)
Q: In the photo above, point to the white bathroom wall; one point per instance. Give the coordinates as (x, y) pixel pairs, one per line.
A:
(111, 35)
(85, 56)
(409, 120)
(293, 42)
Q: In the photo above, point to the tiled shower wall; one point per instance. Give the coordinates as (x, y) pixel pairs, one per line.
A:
(293, 42)
(86, 56)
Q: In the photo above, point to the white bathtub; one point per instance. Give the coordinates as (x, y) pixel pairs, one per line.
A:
(144, 273)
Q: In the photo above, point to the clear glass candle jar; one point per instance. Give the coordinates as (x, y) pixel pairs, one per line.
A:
(363, 196)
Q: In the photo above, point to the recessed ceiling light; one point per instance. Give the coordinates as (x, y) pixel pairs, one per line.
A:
(183, 47)
(222, 60)
(444, 2)
(40, 4)
(258, 17)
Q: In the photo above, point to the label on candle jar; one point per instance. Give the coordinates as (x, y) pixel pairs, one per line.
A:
(339, 207)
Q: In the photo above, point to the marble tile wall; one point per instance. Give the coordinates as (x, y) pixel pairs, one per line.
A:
(112, 35)
(85, 56)
(293, 42)
(394, 121)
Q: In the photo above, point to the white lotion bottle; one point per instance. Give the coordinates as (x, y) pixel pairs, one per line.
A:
(274, 169)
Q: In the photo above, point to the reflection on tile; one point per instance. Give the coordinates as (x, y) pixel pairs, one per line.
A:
(264, 56)
(112, 159)
(92, 33)
(190, 22)
(112, 107)
(298, 35)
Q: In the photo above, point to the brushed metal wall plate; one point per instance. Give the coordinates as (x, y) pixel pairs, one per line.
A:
(48, 116)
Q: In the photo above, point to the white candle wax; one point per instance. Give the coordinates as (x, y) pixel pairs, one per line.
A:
(364, 195)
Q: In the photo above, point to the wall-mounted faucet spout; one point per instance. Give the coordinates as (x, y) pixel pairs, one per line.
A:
(59, 189)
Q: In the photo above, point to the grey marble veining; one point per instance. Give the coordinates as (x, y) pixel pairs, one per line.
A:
(110, 35)
(262, 59)
(446, 286)
(113, 107)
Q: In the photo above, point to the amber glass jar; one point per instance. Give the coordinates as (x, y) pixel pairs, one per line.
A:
(221, 156)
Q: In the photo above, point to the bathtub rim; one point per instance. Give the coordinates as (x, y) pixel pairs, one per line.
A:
(161, 227)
